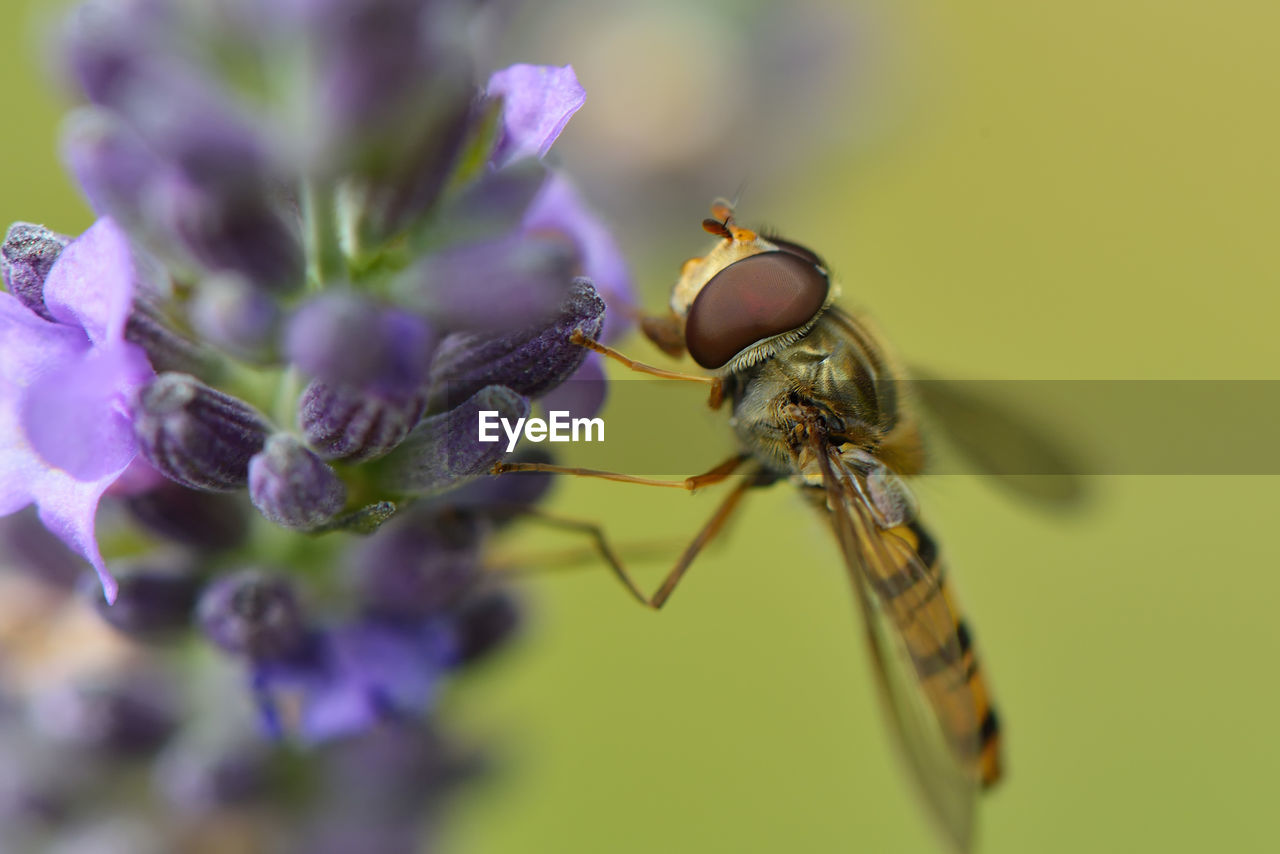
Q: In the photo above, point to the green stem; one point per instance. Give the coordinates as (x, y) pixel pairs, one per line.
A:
(284, 409)
(325, 259)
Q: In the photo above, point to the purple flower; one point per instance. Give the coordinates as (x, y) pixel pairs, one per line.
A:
(344, 338)
(531, 361)
(559, 209)
(351, 677)
(537, 102)
(64, 388)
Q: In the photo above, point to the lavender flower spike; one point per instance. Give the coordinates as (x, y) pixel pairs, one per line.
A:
(65, 434)
(537, 102)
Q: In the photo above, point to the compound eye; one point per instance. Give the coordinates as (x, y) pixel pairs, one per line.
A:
(796, 249)
(752, 300)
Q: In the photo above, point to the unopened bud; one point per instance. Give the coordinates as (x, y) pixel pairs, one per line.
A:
(166, 348)
(293, 487)
(209, 521)
(348, 423)
(152, 603)
(482, 623)
(253, 614)
(29, 252)
(531, 361)
(231, 313)
(444, 450)
(346, 339)
(196, 435)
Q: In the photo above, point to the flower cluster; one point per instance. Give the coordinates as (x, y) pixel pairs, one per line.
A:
(322, 248)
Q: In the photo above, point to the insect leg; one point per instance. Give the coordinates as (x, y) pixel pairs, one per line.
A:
(715, 475)
(716, 383)
(677, 572)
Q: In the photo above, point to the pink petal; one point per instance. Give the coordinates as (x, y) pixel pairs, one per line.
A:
(537, 102)
(91, 283)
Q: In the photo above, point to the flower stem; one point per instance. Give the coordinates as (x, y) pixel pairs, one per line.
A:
(325, 260)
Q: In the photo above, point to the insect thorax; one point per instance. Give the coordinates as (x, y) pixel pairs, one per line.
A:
(835, 372)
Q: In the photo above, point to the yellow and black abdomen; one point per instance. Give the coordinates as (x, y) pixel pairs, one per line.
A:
(913, 589)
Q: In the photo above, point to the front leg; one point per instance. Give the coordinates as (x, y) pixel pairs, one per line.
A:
(716, 383)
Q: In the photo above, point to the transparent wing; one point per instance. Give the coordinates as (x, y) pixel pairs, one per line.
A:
(998, 435)
(920, 653)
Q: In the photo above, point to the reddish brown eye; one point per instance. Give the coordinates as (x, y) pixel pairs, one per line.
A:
(751, 300)
(796, 249)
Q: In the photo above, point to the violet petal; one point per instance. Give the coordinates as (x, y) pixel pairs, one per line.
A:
(558, 207)
(537, 102)
(91, 283)
(85, 398)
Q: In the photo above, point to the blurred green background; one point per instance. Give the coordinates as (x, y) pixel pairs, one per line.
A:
(1015, 191)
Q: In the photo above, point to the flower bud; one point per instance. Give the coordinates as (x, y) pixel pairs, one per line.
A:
(106, 46)
(445, 450)
(407, 184)
(166, 348)
(583, 394)
(483, 623)
(347, 423)
(28, 253)
(229, 312)
(293, 487)
(492, 285)
(253, 614)
(196, 435)
(241, 234)
(209, 521)
(497, 498)
(113, 167)
(417, 566)
(151, 602)
(345, 339)
(531, 361)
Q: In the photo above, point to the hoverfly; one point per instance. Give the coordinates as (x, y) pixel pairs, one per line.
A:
(815, 399)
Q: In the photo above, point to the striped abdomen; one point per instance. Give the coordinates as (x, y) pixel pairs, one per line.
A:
(915, 594)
